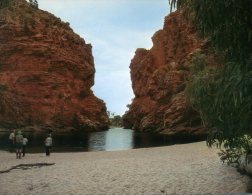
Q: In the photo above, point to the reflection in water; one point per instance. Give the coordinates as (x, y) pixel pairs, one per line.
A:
(118, 139)
(123, 139)
(113, 139)
(96, 141)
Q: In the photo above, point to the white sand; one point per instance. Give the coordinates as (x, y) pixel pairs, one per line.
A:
(181, 169)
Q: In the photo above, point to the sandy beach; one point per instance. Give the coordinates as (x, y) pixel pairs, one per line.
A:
(178, 169)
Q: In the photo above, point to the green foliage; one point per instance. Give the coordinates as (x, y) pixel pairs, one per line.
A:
(223, 95)
(201, 86)
(227, 23)
(232, 154)
(198, 63)
(115, 120)
(34, 3)
(110, 114)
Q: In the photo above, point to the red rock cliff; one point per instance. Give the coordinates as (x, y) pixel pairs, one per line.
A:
(159, 77)
(46, 72)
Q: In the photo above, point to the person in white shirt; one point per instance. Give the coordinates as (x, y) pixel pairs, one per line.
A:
(25, 142)
(48, 144)
(12, 140)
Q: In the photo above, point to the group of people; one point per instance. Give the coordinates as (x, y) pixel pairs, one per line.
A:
(20, 141)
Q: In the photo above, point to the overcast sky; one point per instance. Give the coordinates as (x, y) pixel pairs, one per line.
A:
(115, 28)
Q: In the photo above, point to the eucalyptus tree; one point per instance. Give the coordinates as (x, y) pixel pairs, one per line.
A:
(223, 95)
(228, 23)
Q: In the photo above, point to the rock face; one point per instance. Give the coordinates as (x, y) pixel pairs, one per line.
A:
(46, 72)
(159, 77)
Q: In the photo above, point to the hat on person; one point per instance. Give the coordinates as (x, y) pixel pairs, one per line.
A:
(19, 132)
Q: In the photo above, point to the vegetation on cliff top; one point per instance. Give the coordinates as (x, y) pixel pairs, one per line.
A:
(34, 3)
(5, 3)
(223, 95)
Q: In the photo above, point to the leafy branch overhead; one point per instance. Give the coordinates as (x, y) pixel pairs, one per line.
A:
(227, 23)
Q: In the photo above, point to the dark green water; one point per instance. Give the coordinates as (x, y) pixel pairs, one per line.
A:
(113, 139)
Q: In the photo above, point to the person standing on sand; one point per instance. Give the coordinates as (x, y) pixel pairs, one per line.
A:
(19, 144)
(25, 141)
(48, 144)
(12, 140)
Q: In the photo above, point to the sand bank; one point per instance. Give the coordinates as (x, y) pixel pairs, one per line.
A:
(181, 169)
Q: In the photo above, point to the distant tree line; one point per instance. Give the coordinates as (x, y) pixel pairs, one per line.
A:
(115, 120)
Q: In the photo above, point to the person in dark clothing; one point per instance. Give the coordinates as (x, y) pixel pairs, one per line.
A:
(19, 144)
